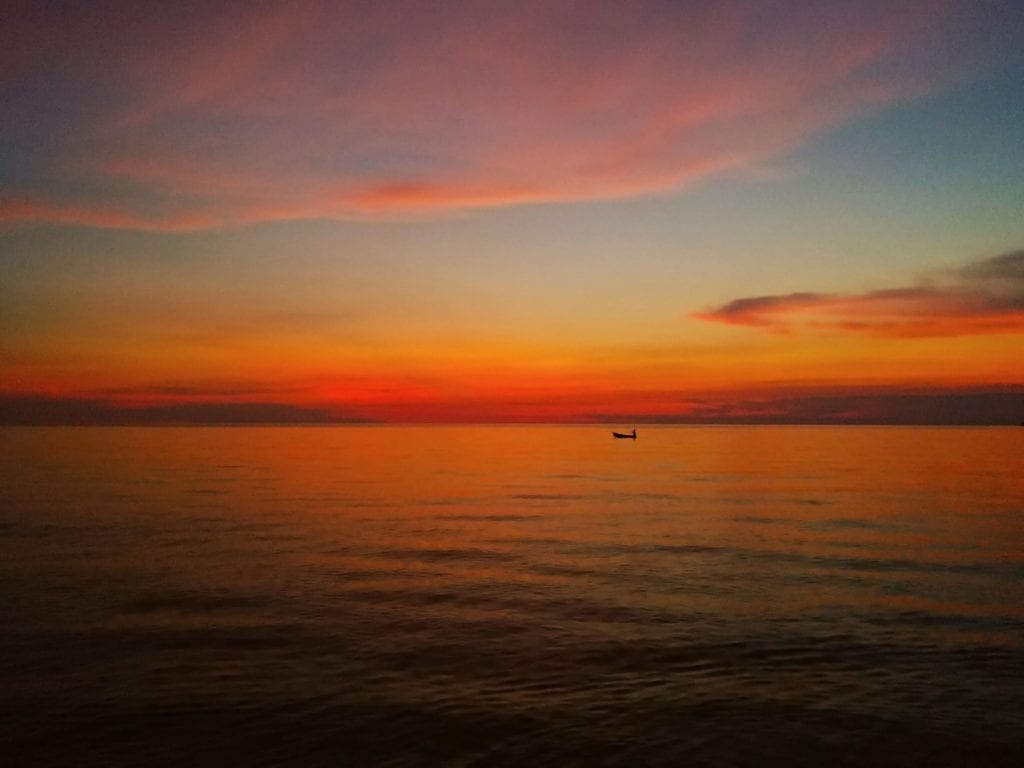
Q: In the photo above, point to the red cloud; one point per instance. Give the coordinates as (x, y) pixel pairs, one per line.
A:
(983, 298)
(325, 110)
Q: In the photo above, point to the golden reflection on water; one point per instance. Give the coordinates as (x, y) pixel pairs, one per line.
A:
(855, 501)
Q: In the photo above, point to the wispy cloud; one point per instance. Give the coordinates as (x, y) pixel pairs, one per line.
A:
(985, 297)
(243, 113)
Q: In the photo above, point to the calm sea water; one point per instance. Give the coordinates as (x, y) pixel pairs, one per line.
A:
(517, 596)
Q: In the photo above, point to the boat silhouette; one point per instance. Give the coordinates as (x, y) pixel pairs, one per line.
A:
(621, 435)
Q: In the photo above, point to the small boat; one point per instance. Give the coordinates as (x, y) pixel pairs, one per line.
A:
(623, 436)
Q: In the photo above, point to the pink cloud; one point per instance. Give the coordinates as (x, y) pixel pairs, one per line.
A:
(14, 212)
(986, 297)
(334, 110)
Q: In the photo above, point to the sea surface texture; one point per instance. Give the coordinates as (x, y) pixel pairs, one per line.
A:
(511, 596)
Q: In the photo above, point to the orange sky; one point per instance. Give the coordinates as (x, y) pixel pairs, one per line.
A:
(541, 212)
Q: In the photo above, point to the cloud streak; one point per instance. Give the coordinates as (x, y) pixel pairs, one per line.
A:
(982, 298)
(21, 211)
(238, 113)
(70, 411)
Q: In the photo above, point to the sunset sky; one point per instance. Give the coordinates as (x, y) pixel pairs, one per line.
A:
(512, 211)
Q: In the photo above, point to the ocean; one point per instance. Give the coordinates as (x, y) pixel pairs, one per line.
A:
(511, 596)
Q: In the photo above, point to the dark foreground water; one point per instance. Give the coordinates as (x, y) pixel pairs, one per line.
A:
(517, 596)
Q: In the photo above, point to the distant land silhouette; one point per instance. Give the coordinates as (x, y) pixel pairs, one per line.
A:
(983, 408)
(957, 408)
